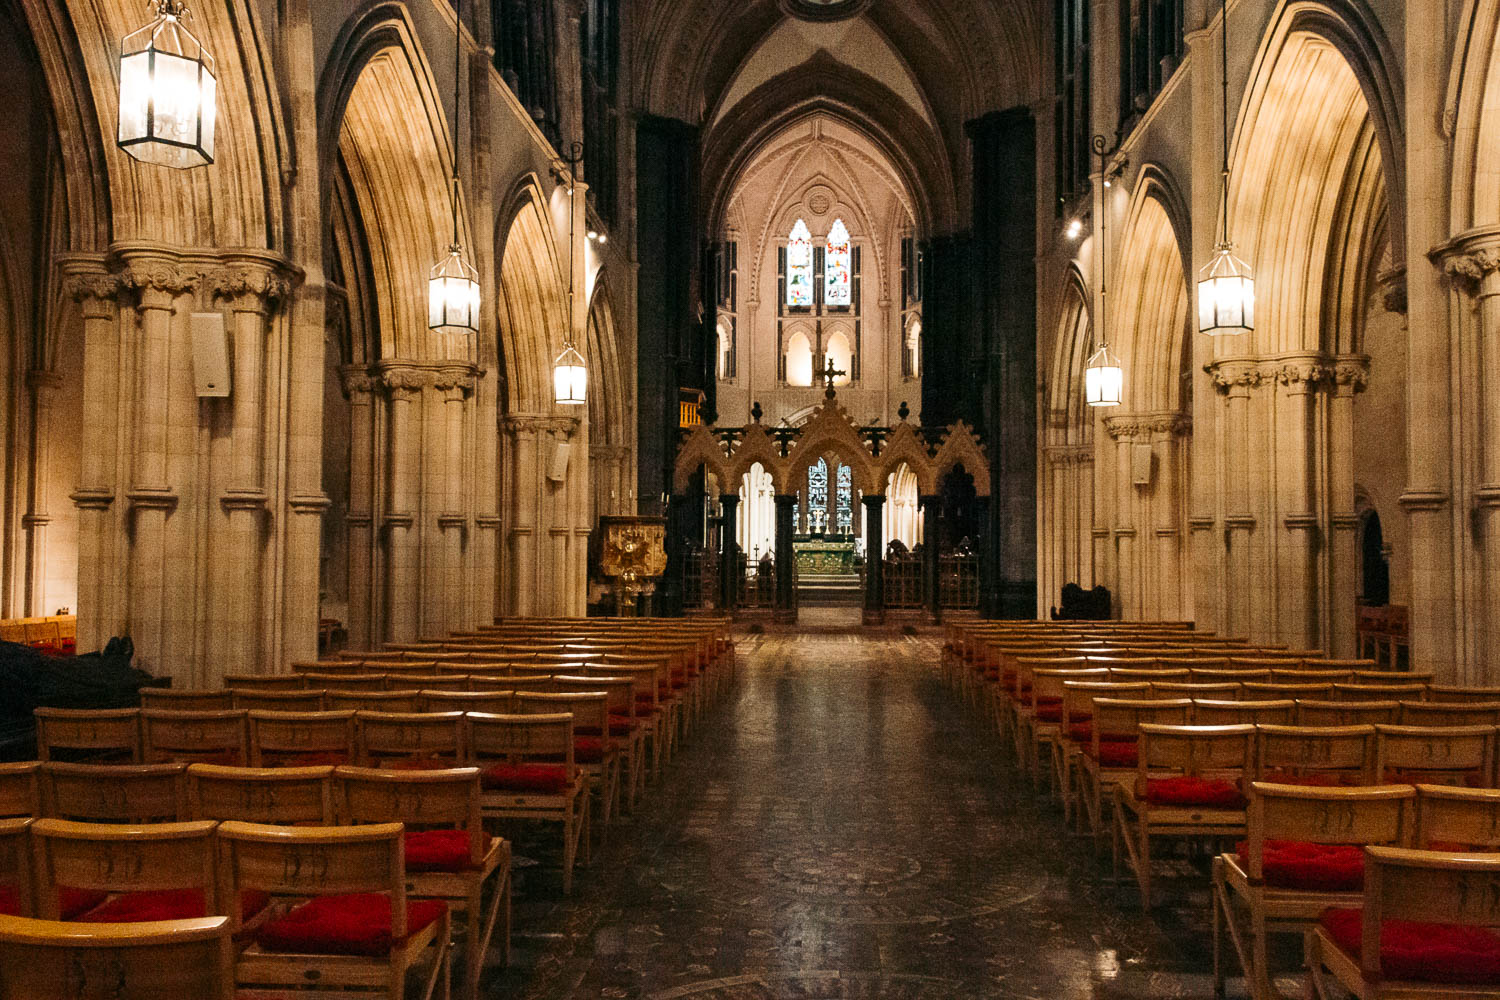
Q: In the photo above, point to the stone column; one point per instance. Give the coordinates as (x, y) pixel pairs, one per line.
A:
(1122, 431)
(730, 574)
(455, 385)
(525, 492)
(932, 552)
(786, 560)
(101, 591)
(402, 563)
(156, 611)
(874, 560)
(1234, 381)
(1170, 442)
(359, 387)
(44, 385)
(1350, 377)
(1301, 612)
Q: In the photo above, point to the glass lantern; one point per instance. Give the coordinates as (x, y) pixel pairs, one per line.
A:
(570, 379)
(1226, 296)
(168, 94)
(1103, 379)
(453, 294)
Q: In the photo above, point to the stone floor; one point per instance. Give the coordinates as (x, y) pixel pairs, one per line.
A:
(842, 828)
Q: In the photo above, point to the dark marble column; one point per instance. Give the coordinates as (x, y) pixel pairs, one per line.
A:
(786, 560)
(932, 553)
(874, 560)
(729, 563)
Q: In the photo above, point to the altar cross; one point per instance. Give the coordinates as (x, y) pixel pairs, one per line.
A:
(829, 374)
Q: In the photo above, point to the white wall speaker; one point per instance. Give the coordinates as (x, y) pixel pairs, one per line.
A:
(1142, 467)
(210, 355)
(558, 470)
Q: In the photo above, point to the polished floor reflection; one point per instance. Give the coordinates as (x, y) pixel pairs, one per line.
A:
(842, 828)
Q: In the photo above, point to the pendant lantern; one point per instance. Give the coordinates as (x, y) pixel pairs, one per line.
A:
(168, 94)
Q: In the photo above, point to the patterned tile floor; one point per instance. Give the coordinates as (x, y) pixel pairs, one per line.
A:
(842, 828)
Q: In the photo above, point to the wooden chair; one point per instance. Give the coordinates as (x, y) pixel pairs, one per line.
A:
(493, 702)
(194, 737)
(448, 854)
(1448, 755)
(1315, 755)
(406, 702)
(156, 871)
(1347, 713)
(1380, 692)
(511, 682)
(597, 756)
(1455, 892)
(1196, 690)
(1112, 754)
(317, 874)
(344, 682)
(56, 960)
(647, 709)
(1303, 854)
(110, 793)
(284, 795)
(1228, 712)
(19, 795)
(99, 736)
(307, 700)
(1466, 820)
(1232, 675)
(265, 682)
(1449, 692)
(187, 701)
(401, 741)
(1257, 691)
(1076, 729)
(1186, 788)
(301, 739)
(1450, 713)
(1040, 720)
(625, 728)
(1307, 675)
(16, 881)
(528, 773)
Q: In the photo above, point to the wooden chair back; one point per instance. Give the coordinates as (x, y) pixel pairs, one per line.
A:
(522, 739)
(1425, 887)
(1229, 712)
(56, 960)
(111, 793)
(15, 864)
(1380, 692)
(348, 664)
(1450, 692)
(1304, 675)
(448, 799)
(89, 734)
(493, 702)
(373, 701)
(511, 682)
(1334, 754)
(1450, 713)
(1118, 720)
(621, 692)
(1200, 751)
(343, 682)
(1347, 713)
(1231, 675)
(590, 709)
(284, 795)
(187, 701)
(301, 739)
(1436, 755)
(266, 682)
(19, 794)
(117, 858)
(1260, 691)
(195, 737)
(307, 700)
(395, 739)
(1377, 814)
(1463, 820)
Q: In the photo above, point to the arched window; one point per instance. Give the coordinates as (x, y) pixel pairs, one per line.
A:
(799, 266)
(799, 360)
(726, 353)
(842, 357)
(838, 286)
(911, 352)
(845, 501)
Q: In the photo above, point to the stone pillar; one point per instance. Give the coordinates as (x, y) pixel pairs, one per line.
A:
(1122, 431)
(101, 590)
(44, 385)
(402, 562)
(455, 385)
(874, 560)
(730, 574)
(1301, 616)
(359, 387)
(1350, 378)
(786, 560)
(932, 552)
(156, 609)
(525, 478)
(1234, 381)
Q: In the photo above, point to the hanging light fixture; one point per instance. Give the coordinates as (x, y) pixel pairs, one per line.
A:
(570, 375)
(1103, 378)
(1226, 287)
(168, 94)
(453, 297)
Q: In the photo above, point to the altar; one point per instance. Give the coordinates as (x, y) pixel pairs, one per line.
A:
(833, 556)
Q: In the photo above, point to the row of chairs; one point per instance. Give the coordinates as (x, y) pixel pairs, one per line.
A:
(93, 819)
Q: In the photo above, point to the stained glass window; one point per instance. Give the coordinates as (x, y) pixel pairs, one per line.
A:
(846, 500)
(799, 266)
(817, 497)
(838, 289)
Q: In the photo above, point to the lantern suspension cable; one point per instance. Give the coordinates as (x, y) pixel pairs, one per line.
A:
(1103, 377)
(1226, 287)
(168, 94)
(570, 376)
(453, 295)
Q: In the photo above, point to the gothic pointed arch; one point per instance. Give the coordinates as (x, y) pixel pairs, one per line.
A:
(905, 448)
(532, 300)
(1150, 316)
(960, 446)
(832, 431)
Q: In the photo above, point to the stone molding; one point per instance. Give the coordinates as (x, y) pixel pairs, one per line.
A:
(1293, 372)
(488, 522)
(1469, 258)
(1392, 285)
(252, 286)
(1070, 454)
(251, 500)
(1132, 427)
(93, 497)
(309, 503)
(1424, 500)
(524, 423)
(42, 380)
(357, 380)
(1487, 497)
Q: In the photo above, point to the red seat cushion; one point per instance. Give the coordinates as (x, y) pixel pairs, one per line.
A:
(167, 904)
(588, 750)
(1425, 953)
(440, 850)
(1191, 790)
(548, 779)
(1298, 864)
(1081, 730)
(644, 698)
(1121, 754)
(619, 725)
(1314, 780)
(10, 902)
(1048, 713)
(71, 902)
(357, 924)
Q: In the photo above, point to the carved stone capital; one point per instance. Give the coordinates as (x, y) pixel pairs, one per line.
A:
(251, 287)
(309, 503)
(95, 289)
(158, 280)
(357, 381)
(1392, 285)
(1237, 377)
(1303, 375)
(404, 382)
(1469, 258)
(1146, 426)
(1352, 373)
(458, 381)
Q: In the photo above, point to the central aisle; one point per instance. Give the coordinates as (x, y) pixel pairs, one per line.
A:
(841, 828)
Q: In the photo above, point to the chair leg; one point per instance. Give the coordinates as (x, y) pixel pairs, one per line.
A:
(571, 823)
